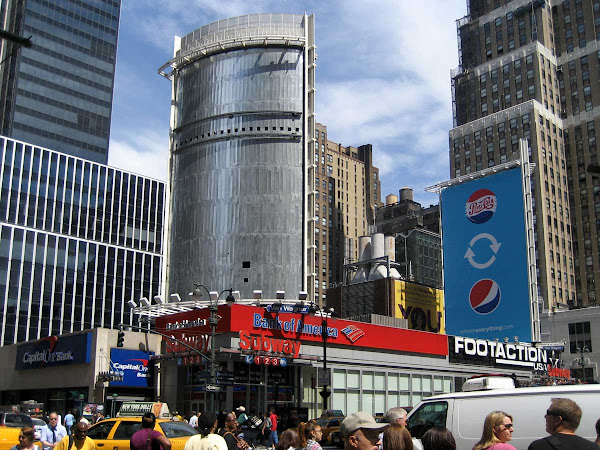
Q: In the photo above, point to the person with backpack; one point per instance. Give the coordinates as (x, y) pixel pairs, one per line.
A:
(146, 438)
(266, 428)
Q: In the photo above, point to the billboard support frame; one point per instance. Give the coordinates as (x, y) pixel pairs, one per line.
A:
(527, 168)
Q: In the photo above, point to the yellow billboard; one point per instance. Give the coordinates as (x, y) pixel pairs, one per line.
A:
(422, 306)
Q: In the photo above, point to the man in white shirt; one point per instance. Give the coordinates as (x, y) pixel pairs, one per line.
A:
(194, 419)
(52, 433)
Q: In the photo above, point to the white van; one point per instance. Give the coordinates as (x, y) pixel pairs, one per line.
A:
(463, 413)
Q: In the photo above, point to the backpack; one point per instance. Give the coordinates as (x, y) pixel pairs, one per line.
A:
(269, 423)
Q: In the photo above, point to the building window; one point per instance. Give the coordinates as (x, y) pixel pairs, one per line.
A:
(580, 337)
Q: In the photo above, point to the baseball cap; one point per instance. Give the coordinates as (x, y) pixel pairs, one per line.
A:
(360, 420)
(241, 408)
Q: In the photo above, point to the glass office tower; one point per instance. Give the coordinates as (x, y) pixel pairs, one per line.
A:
(58, 93)
(78, 240)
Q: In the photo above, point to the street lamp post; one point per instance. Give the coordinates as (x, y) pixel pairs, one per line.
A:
(325, 314)
(213, 321)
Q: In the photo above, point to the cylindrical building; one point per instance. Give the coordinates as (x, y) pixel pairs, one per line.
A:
(240, 174)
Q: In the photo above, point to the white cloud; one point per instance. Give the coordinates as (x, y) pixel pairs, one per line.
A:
(145, 153)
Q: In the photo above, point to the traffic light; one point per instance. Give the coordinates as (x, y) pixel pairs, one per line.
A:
(120, 338)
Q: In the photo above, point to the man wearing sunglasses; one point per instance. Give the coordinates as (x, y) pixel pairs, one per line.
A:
(562, 419)
(361, 432)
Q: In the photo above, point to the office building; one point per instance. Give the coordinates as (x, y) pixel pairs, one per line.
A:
(401, 216)
(347, 194)
(78, 241)
(578, 332)
(507, 87)
(58, 93)
(417, 233)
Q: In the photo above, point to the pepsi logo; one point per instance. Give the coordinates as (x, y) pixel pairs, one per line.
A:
(484, 296)
(481, 206)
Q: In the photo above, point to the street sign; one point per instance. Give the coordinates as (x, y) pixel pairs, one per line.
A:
(281, 308)
(324, 377)
(213, 388)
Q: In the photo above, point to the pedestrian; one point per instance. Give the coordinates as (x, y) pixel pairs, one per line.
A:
(360, 431)
(597, 441)
(230, 434)
(69, 420)
(265, 429)
(78, 440)
(397, 437)
(273, 438)
(562, 419)
(146, 438)
(26, 438)
(241, 415)
(52, 433)
(194, 419)
(396, 415)
(207, 439)
(310, 434)
(289, 440)
(438, 438)
(497, 431)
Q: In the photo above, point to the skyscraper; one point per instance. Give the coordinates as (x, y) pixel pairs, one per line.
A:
(241, 180)
(58, 93)
(347, 193)
(78, 241)
(507, 87)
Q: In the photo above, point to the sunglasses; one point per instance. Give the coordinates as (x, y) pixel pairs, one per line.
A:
(507, 425)
(552, 413)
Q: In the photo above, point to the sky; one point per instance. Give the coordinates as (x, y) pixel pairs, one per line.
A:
(382, 78)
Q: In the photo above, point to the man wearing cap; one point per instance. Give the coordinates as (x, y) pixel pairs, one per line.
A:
(361, 432)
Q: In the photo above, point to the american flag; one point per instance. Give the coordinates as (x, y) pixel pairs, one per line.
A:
(353, 333)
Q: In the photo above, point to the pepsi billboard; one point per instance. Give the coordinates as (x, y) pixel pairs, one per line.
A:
(486, 283)
(135, 366)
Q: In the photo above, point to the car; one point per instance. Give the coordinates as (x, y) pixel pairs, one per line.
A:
(114, 434)
(10, 427)
(328, 425)
(38, 424)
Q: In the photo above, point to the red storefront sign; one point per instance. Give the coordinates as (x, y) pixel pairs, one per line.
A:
(304, 328)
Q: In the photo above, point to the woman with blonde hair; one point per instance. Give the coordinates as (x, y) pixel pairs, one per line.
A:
(310, 435)
(497, 431)
(397, 437)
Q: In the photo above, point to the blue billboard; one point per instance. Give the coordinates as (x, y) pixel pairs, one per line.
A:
(486, 283)
(55, 351)
(135, 366)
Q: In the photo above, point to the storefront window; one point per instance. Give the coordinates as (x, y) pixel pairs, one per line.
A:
(380, 380)
(367, 380)
(380, 403)
(339, 378)
(393, 382)
(404, 380)
(353, 379)
(416, 383)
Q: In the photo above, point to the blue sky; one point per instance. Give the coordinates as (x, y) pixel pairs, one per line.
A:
(383, 78)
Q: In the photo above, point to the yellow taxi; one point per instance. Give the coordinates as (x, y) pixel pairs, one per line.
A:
(10, 428)
(114, 434)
